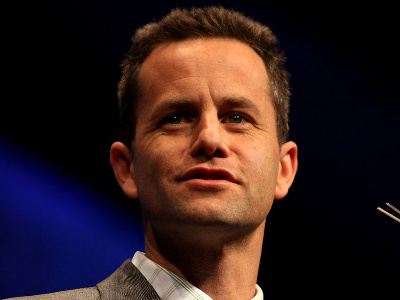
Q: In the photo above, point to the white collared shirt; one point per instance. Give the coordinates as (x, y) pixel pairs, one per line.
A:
(170, 286)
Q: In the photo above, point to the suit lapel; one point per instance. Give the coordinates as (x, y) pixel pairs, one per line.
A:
(127, 283)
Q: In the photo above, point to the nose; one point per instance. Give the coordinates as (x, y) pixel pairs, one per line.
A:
(209, 138)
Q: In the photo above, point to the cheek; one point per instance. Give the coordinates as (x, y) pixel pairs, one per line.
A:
(261, 164)
(156, 158)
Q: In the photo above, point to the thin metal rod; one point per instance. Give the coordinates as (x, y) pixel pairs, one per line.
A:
(394, 208)
(388, 214)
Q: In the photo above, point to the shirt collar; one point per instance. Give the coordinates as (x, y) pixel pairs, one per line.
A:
(170, 286)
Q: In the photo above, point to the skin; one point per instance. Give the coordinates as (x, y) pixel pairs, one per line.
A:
(207, 162)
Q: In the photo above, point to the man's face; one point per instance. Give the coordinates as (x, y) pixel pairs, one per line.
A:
(206, 150)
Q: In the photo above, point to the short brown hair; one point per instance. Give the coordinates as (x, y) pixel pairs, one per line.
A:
(214, 22)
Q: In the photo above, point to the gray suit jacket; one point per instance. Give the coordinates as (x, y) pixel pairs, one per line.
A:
(126, 283)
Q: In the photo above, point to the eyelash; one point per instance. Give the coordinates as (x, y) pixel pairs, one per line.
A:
(168, 119)
(188, 117)
(243, 118)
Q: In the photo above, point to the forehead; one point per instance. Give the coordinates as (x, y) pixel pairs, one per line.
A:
(214, 59)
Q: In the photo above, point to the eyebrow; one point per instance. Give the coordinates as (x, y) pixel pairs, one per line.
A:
(185, 104)
(171, 105)
(240, 102)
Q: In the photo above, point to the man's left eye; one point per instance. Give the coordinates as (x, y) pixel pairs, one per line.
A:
(237, 119)
(174, 119)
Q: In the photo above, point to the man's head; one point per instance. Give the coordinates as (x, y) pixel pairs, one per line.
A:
(212, 22)
(207, 153)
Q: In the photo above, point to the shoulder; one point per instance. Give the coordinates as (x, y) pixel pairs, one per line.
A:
(78, 294)
(125, 283)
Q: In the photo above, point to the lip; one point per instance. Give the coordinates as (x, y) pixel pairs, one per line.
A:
(208, 174)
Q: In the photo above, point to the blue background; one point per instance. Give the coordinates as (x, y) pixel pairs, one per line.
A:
(64, 223)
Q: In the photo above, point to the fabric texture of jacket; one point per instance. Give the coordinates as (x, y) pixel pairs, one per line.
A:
(126, 283)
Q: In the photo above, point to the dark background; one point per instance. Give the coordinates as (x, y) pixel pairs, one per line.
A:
(64, 223)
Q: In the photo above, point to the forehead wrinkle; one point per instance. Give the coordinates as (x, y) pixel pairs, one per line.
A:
(188, 61)
(189, 57)
(231, 73)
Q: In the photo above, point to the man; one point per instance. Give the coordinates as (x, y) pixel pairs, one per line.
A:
(204, 102)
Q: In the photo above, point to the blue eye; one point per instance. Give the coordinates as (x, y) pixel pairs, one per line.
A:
(237, 119)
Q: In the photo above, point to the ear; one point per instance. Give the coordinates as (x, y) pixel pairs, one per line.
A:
(122, 163)
(287, 169)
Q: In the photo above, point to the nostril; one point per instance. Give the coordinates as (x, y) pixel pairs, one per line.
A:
(218, 153)
(201, 152)
(210, 153)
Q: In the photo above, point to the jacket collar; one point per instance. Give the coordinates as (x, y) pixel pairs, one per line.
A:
(127, 283)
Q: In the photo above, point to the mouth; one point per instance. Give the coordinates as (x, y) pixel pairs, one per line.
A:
(208, 175)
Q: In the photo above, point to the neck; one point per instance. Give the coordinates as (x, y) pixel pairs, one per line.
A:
(221, 264)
